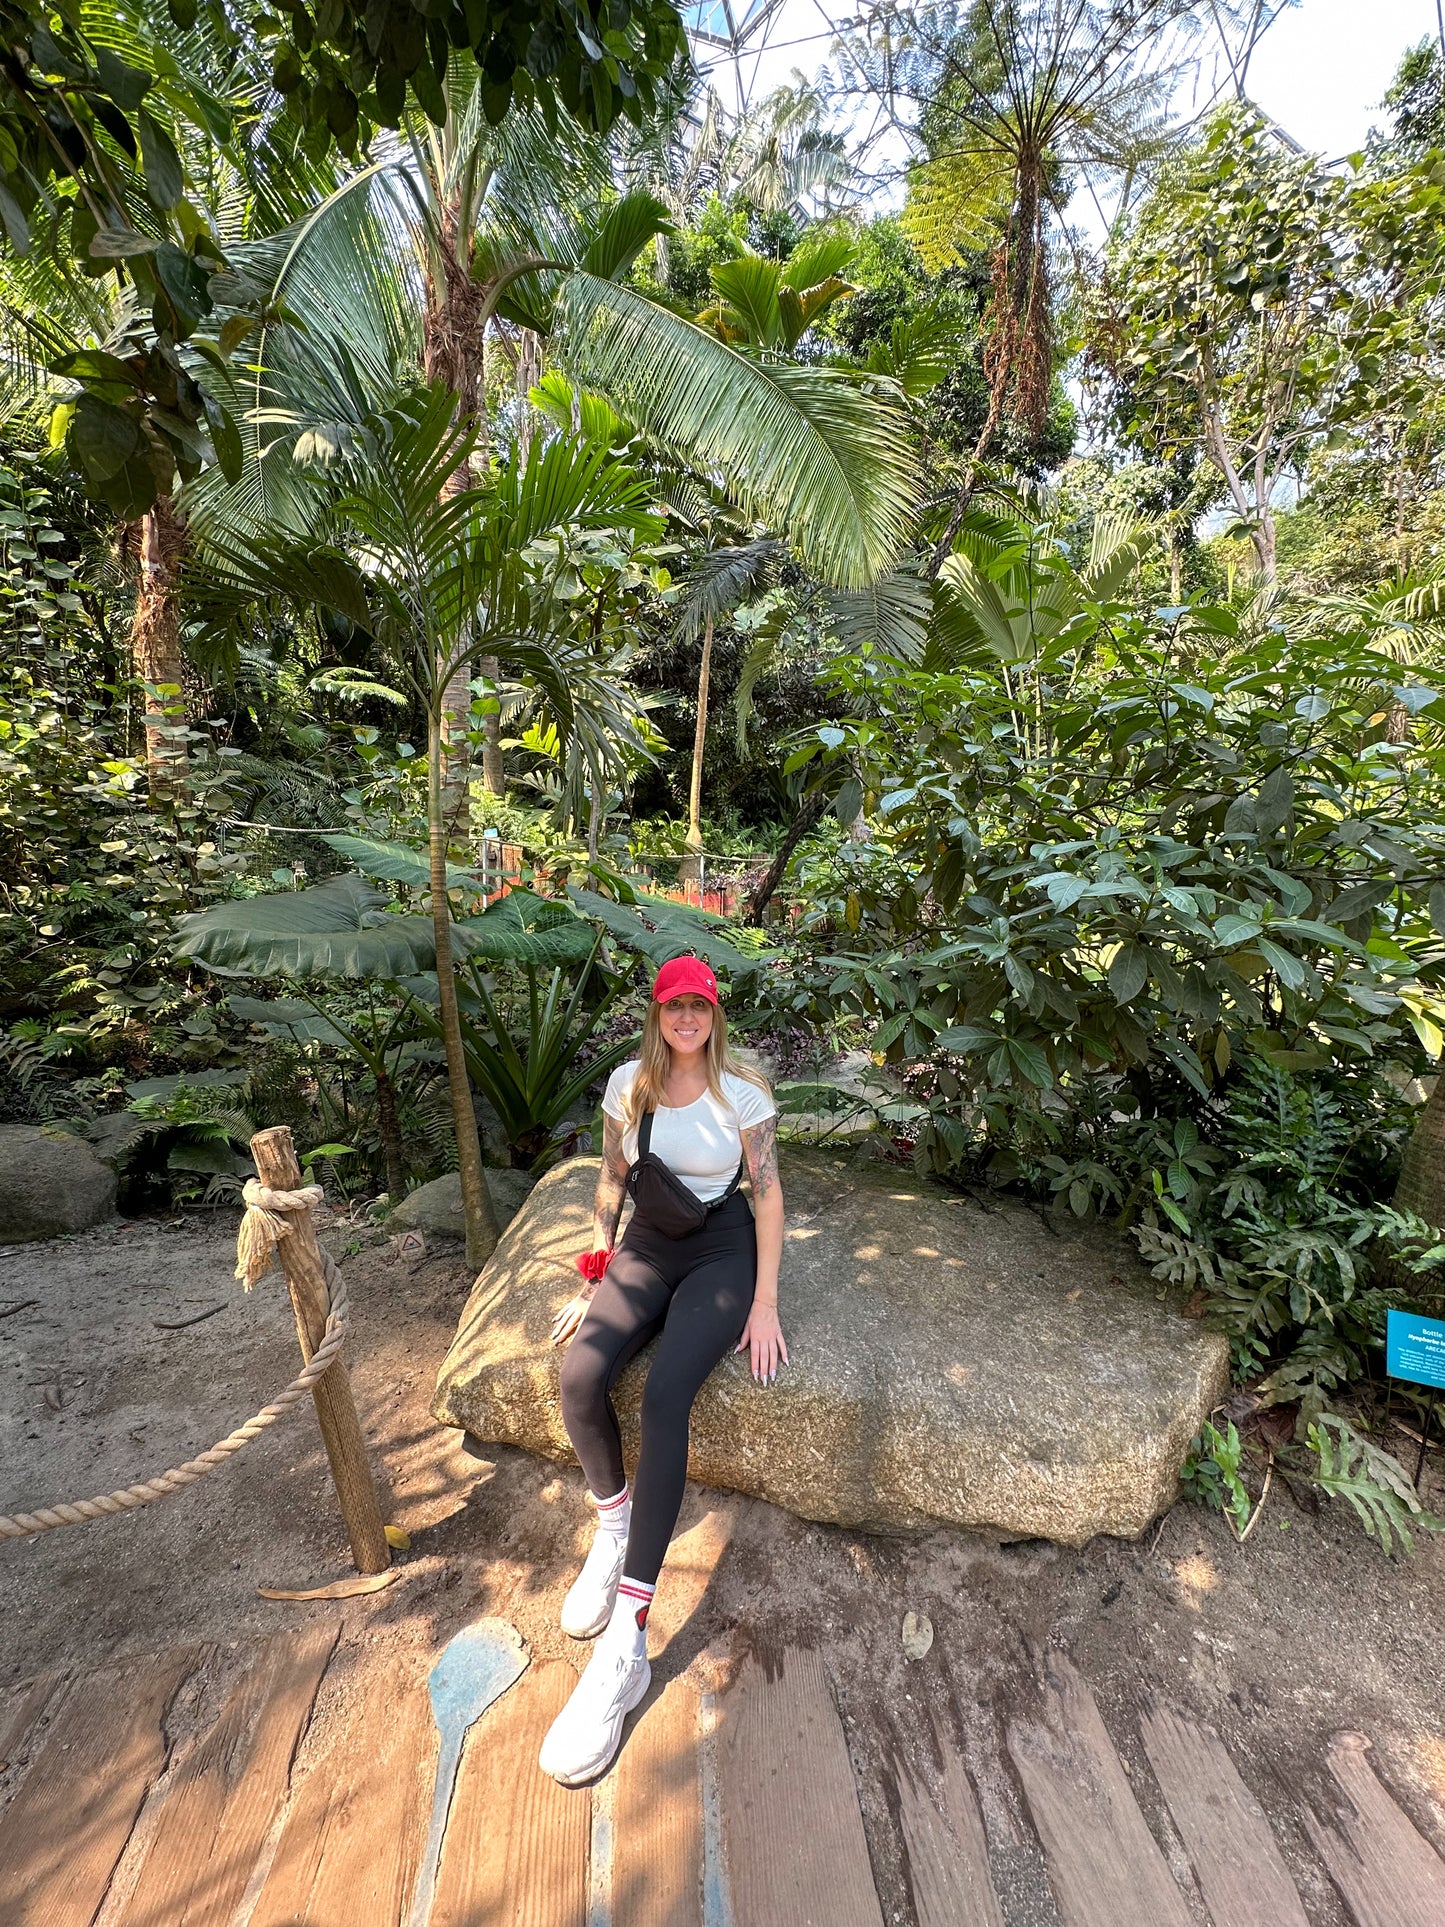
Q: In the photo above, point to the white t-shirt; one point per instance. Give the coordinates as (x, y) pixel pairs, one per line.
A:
(701, 1142)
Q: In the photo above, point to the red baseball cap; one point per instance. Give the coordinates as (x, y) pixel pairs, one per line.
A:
(684, 975)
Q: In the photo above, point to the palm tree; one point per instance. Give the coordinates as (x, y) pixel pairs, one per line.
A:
(1018, 100)
(443, 577)
(515, 227)
(1011, 589)
(810, 452)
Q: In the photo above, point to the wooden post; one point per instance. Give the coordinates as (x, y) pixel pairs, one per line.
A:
(299, 1255)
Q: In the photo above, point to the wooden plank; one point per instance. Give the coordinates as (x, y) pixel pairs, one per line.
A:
(797, 1855)
(1240, 1870)
(20, 1714)
(225, 1794)
(1104, 1865)
(657, 1816)
(946, 1850)
(349, 1851)
(692, 1559)
(516, 1847)
(65, 1830)
(1387, 1873)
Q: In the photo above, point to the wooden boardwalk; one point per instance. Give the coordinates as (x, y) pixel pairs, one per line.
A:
(735, 1811)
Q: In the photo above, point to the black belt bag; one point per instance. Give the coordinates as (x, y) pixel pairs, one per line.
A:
(662, 1199)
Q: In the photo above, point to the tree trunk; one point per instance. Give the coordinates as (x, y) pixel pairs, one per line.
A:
(155, 649)
(480, 1217)
(529, 372)
(392, 1150)
(809, 816)
(1264, 541)
(699, 743)
(494, 767)
(456, 754)
(1422, 1173)
(595, 817)
(453, 347)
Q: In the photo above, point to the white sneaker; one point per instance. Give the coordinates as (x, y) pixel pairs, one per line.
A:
(585, 1735)
(588, 1605)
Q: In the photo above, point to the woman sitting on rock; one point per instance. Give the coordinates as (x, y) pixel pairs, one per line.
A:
(683, 1120)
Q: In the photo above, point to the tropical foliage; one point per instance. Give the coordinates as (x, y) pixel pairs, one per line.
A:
(478, 518)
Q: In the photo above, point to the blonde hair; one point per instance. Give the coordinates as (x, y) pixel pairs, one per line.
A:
(654, 1060)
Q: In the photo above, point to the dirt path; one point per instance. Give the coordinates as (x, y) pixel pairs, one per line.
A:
(1303, 1632)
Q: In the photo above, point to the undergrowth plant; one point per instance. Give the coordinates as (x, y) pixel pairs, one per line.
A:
(1284, 1235)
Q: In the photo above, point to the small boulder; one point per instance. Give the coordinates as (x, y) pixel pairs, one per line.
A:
(50, 1184)
(948, 1364)
(435, 1209)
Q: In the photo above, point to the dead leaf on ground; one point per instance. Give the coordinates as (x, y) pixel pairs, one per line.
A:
(917, 1635)
(339, 1588)
(397, 1538)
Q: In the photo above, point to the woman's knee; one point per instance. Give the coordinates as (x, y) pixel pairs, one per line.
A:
(582, 1381)
(666, 1403)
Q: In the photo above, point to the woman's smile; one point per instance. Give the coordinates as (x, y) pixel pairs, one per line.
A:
(686, 1023)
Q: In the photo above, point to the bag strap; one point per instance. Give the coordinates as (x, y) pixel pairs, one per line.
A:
(644, 1145)
(737, 1180)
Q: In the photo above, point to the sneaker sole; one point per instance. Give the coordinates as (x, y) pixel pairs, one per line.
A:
(591, 1773)
(587, 1632)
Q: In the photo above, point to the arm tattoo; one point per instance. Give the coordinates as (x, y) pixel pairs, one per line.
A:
(613, 1161)
(761, 1145)
(611, 1179)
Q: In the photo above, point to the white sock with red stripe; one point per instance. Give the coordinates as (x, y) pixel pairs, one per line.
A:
(627, 1629)
(614, 1515)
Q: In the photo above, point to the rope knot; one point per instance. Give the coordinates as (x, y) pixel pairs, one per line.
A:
(265, 1225)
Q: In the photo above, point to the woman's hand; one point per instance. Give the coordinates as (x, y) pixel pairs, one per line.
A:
(763, 1340)
(571, 1315)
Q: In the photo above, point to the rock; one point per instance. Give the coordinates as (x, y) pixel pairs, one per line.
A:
(947, 1364)
(436, 1208)
(50, 1184)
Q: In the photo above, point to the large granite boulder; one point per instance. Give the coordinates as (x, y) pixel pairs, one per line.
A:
(948, 1364)
(50, 1184)
(436, 1208)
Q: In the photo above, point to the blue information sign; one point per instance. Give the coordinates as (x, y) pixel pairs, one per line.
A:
(1415, 1348)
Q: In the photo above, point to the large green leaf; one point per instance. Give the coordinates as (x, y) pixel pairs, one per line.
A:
(287, 1017)
(394, 862)
(339, 928)
(529, 930)
(659, 929)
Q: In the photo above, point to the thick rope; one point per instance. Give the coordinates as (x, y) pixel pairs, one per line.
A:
(261, 1229)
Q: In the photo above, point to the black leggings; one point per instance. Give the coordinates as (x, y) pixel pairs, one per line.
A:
(697, 1291)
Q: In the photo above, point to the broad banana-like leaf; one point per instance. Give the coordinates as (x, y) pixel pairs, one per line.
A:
(288, 1017)
(526, 929)
(750, 287)
(339, 928)
(659, 929)
(395, 862)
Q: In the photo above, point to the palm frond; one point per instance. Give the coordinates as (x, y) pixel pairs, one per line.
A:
(802, 448)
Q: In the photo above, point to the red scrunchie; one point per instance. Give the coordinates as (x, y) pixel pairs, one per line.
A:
(592, 1264)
